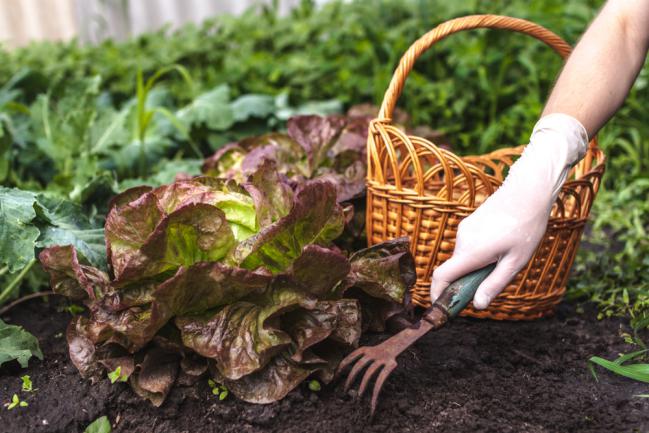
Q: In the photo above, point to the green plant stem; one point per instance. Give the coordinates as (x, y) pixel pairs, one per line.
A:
(4, 270)
(16, 281)
(143, 166)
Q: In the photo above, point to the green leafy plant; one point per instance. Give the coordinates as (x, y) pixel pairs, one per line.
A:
(17, 344)
(613, 264)
(314, 385)
(29, 222)
(100, 425)
(331, 148)
(16, 402)
(117, 376)
(206, 262)
(620, 366)
(144, 114)
(219, 390)
(27, 385)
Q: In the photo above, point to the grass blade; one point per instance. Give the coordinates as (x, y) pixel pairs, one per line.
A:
(639, 372)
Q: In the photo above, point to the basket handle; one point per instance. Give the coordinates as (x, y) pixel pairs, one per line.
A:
(456, 25)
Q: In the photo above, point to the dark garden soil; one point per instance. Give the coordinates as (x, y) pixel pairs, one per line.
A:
(473, 376)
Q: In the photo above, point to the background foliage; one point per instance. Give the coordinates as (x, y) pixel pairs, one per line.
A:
(83, 122)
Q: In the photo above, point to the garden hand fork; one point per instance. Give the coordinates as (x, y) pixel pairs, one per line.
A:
(383, 357)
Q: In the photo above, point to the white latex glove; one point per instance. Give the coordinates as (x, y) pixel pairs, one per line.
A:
(509, 225)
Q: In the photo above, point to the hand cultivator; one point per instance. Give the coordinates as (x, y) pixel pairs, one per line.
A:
(382, 358)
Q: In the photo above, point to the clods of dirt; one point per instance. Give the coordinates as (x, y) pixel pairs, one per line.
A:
(473, 376)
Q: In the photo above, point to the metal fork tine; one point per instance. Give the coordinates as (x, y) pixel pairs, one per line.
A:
(349, 359)
(383, 375)
(372, 369)
(357, 368)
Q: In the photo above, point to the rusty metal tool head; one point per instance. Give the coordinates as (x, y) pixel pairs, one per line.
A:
(382, 358)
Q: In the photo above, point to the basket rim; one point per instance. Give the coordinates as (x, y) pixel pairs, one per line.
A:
(593, 150)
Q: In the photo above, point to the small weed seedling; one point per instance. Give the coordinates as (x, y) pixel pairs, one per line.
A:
(27, 384)
(16, 402)
(218, 389)
(314, 385)
(117, 376)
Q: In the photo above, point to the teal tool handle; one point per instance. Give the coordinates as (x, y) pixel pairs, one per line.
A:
(460, 292)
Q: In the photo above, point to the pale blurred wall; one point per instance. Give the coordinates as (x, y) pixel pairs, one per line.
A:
(22, 21)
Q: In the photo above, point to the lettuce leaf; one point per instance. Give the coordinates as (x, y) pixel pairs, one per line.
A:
(384, 271)
(243, 336)
(316, 135)
(315, 218)
(271, 383)
(307, 272)
(272, 195)
(70, 278)
(190, 234)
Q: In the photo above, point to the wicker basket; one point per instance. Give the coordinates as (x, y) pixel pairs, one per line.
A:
(417, 189)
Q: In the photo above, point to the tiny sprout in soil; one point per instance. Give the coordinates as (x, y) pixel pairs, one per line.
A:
(314, 386)
(27, 383)
(15, 401)
(218, 389)
(116, 375)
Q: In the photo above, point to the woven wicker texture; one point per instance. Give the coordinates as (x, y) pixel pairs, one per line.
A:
(417, 189)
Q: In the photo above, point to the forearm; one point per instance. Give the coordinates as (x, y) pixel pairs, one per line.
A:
(605, 63)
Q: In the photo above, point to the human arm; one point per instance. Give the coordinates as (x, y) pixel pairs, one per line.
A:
(593, 84)
(605, 63)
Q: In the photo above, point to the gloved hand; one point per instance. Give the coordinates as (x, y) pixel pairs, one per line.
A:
(509, 225)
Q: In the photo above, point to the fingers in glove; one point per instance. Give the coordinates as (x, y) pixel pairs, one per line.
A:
(456, 267)
(499, 278)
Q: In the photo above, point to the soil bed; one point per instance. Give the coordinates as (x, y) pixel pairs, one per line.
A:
(473, 376)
